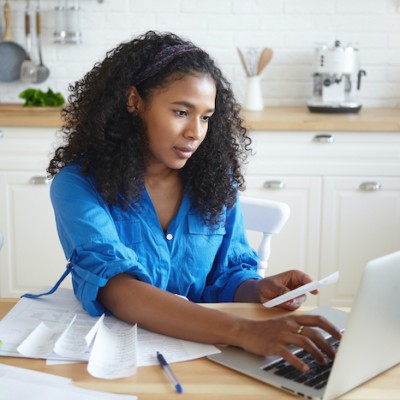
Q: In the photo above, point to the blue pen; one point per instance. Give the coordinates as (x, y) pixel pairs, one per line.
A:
(168, 371)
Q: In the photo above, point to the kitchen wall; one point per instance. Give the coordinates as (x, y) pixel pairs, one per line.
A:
(290, 27)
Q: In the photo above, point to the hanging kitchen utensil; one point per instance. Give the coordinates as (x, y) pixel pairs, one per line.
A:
(28, 67)
(42, 71)
(12, 54)
(264, 60)
(251, 60)
(243, 61)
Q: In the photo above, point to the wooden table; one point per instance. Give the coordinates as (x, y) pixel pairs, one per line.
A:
(201, 379)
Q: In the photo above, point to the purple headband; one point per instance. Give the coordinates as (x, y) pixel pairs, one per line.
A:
(162, 59)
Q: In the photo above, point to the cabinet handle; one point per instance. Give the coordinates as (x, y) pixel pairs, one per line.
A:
(324, 138)
(370, 186)
(39, 180)
(274, 185)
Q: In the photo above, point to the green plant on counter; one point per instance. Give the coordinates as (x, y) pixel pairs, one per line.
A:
(37, 98)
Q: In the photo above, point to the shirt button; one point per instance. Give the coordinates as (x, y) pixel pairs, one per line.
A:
(169, 236)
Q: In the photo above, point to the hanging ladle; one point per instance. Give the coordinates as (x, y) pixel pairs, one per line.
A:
(28, 67)
(42, 71)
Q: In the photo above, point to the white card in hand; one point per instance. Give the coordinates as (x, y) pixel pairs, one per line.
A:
(308, 287)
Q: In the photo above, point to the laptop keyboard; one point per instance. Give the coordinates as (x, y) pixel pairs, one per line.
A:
(316, 377)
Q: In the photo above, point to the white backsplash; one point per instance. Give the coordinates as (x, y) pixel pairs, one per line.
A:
(290, 27)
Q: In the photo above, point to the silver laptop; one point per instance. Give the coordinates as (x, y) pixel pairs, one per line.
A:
(370, 344)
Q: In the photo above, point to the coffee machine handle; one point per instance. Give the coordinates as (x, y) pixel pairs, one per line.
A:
(361, 73)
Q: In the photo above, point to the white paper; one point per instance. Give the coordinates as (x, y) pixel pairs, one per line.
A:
(38, 386)
(92, 333)
(174, 350)
(70, 343)
(114, 353)
(62, 313)
(27, 375)
(76, 339)
(40, 342)
(55, 311)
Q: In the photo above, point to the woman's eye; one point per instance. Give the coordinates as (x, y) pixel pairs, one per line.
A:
(181, 113)
(206, 118)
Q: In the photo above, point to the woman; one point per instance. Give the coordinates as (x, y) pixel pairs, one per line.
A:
(145, 198)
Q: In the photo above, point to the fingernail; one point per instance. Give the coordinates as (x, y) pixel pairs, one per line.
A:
(305, 368)
(297, 302)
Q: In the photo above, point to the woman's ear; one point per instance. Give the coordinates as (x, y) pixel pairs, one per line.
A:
(133, 100)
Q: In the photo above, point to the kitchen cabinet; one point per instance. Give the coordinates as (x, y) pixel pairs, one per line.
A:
(343, 189)
(31, 257)
(321, 165)
(360, 221)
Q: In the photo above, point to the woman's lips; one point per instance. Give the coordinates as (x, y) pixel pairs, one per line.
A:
(184, 152)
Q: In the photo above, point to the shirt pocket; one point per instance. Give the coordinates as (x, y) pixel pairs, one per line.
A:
(196, 226)
(129, 231)
(202, 245)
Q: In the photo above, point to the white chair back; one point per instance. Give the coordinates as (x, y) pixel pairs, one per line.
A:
(266, 216)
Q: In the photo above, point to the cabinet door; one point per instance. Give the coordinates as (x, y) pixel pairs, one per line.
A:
(361, 221)
(31, 256)
(297, 245)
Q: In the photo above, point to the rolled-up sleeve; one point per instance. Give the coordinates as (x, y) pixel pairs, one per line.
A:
(89, 237)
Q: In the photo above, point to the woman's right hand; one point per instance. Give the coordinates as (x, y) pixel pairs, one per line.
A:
(273, 336)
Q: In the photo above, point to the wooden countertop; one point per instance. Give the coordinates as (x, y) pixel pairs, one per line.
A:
(16, 115)
(270, 119)
(300, 119)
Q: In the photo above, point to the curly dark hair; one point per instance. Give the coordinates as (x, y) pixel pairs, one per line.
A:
(110, 143)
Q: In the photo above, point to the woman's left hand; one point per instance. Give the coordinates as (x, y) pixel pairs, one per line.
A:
(276, 285)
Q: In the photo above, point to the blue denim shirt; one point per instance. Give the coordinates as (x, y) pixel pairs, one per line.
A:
(204, 263)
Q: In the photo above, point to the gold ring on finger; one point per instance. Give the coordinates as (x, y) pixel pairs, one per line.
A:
(300, 330)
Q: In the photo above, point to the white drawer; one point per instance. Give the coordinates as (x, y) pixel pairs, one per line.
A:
(325, 153)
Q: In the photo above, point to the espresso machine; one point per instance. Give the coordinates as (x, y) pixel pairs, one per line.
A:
(336, 78)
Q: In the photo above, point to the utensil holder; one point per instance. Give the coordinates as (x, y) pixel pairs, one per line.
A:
(60, 31)
(253, 100)
(73, 25)
(67, 21)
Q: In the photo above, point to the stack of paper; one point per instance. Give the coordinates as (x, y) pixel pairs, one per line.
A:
(56, 328)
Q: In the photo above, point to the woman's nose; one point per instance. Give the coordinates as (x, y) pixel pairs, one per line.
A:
(195, 130)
